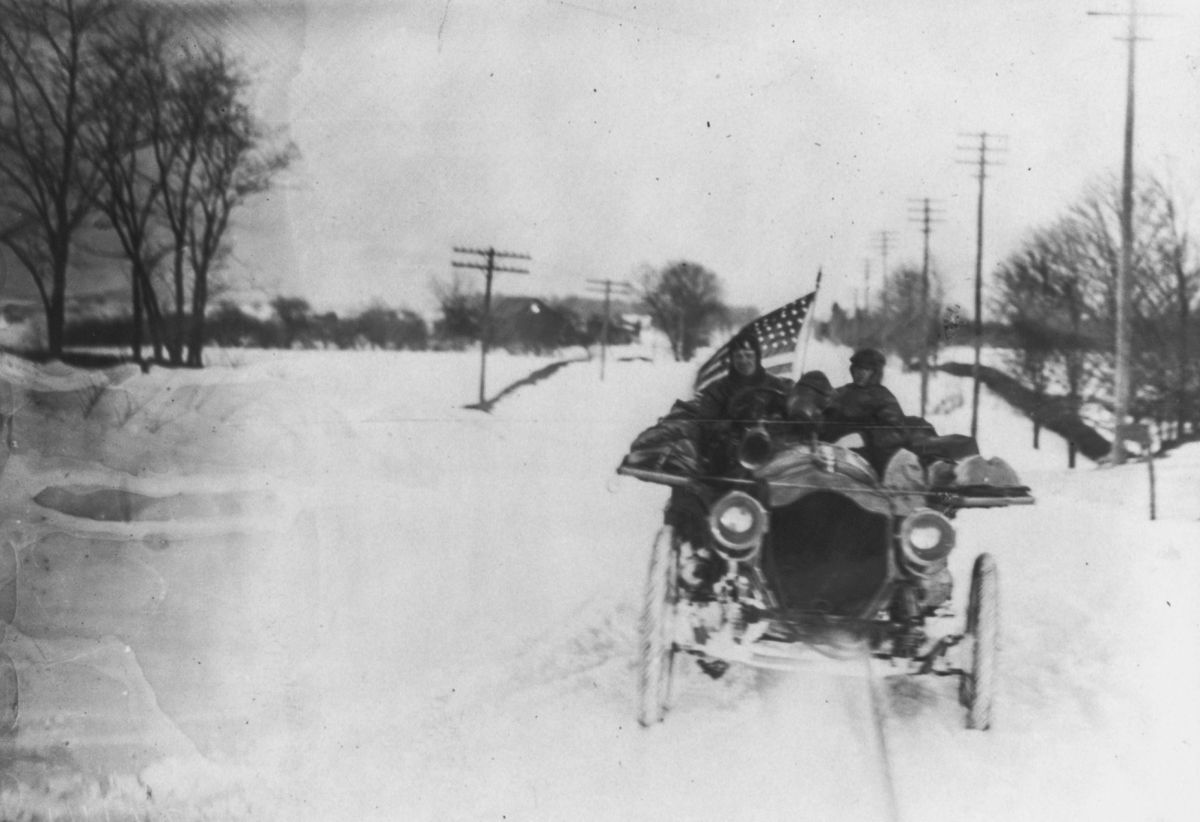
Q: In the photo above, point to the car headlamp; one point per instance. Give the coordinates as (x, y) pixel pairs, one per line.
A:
(926, 539)
(738, 522)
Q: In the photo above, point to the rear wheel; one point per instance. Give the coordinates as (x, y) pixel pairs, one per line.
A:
(656, 639)
(977, 687)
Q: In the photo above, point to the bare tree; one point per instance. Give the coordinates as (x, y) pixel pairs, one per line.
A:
(901, 307)
(1058, 293)
(235, 160)
(1165, 279)
(47, 47)
(134, 81)
(177, 115)
(684, 301)
(295, 317)
(462, 310)
(208, 154)
(179, 150)
(1176, 258)
(1034, 295)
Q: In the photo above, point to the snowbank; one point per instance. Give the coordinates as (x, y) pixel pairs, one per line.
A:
(360, 600)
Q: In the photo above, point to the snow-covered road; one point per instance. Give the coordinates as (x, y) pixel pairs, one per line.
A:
(380, 605)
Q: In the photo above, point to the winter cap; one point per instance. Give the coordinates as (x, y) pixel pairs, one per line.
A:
(817, 382)
(746, 339)
(868, 358)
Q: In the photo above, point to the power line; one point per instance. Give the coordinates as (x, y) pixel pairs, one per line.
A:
(620, 287)
(489, 267)
(1121, 379)
(883, 241)
(926, 216)
(866, 304)
(983, 162)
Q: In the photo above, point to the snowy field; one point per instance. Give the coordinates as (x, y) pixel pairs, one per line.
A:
(311, 585)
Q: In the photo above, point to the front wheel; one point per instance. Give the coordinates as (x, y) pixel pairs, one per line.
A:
(977, 688)
(656, 635)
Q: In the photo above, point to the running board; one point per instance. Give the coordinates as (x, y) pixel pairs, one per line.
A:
(793, 656)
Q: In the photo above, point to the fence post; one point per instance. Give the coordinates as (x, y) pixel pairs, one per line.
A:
(1140, 434)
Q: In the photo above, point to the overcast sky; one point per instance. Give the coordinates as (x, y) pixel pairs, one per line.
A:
(763, 140)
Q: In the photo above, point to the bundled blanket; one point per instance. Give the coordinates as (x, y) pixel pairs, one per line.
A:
(671, 445)
(669, 453)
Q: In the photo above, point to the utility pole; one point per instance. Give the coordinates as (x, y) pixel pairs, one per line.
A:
(866, 286)
(926, 217)
(883, 241)
(622, 288)
(1121, 381)
(489, 267)
(983, 162)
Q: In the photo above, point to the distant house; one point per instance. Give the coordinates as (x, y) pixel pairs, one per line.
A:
(626, 329)
(20, 324)
(259, 309)
(17, 312)
(529, 324)
(97, 305)
(624, 324)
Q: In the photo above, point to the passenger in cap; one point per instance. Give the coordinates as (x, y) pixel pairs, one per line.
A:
(806, 404)
(865, 407)
(721, 418)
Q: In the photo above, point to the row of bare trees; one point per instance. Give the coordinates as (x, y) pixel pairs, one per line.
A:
(1057, 292)
(683, 299)
(908, 317)
(120, 120)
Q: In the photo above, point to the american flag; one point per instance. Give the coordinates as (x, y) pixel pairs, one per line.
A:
(777, 333)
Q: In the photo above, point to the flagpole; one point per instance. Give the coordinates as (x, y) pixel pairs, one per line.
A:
(810, 320)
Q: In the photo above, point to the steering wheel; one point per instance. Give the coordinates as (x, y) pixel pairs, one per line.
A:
(753, 403)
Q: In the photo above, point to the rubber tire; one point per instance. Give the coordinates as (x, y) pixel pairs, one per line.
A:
(656, 631)
(977, 688)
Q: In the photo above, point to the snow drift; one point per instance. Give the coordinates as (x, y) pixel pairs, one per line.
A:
(313, 585)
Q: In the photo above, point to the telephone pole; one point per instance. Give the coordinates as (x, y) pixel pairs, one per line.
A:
(866, 286)
(622, 288)
(1121, 381)
(489, 267)
(983, 162)
(926, 217)
(883, 241)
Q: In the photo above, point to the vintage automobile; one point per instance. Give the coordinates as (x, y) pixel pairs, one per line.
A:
(819, 561)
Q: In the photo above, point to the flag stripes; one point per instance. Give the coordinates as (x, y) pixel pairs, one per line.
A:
(777, 333)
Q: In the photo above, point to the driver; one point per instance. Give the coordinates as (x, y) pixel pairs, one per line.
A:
(865, 407)
(732, 403)
(724, 409)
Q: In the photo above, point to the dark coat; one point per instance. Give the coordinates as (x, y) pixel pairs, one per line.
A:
(872, 412)
(713, 402)
(719, 428)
